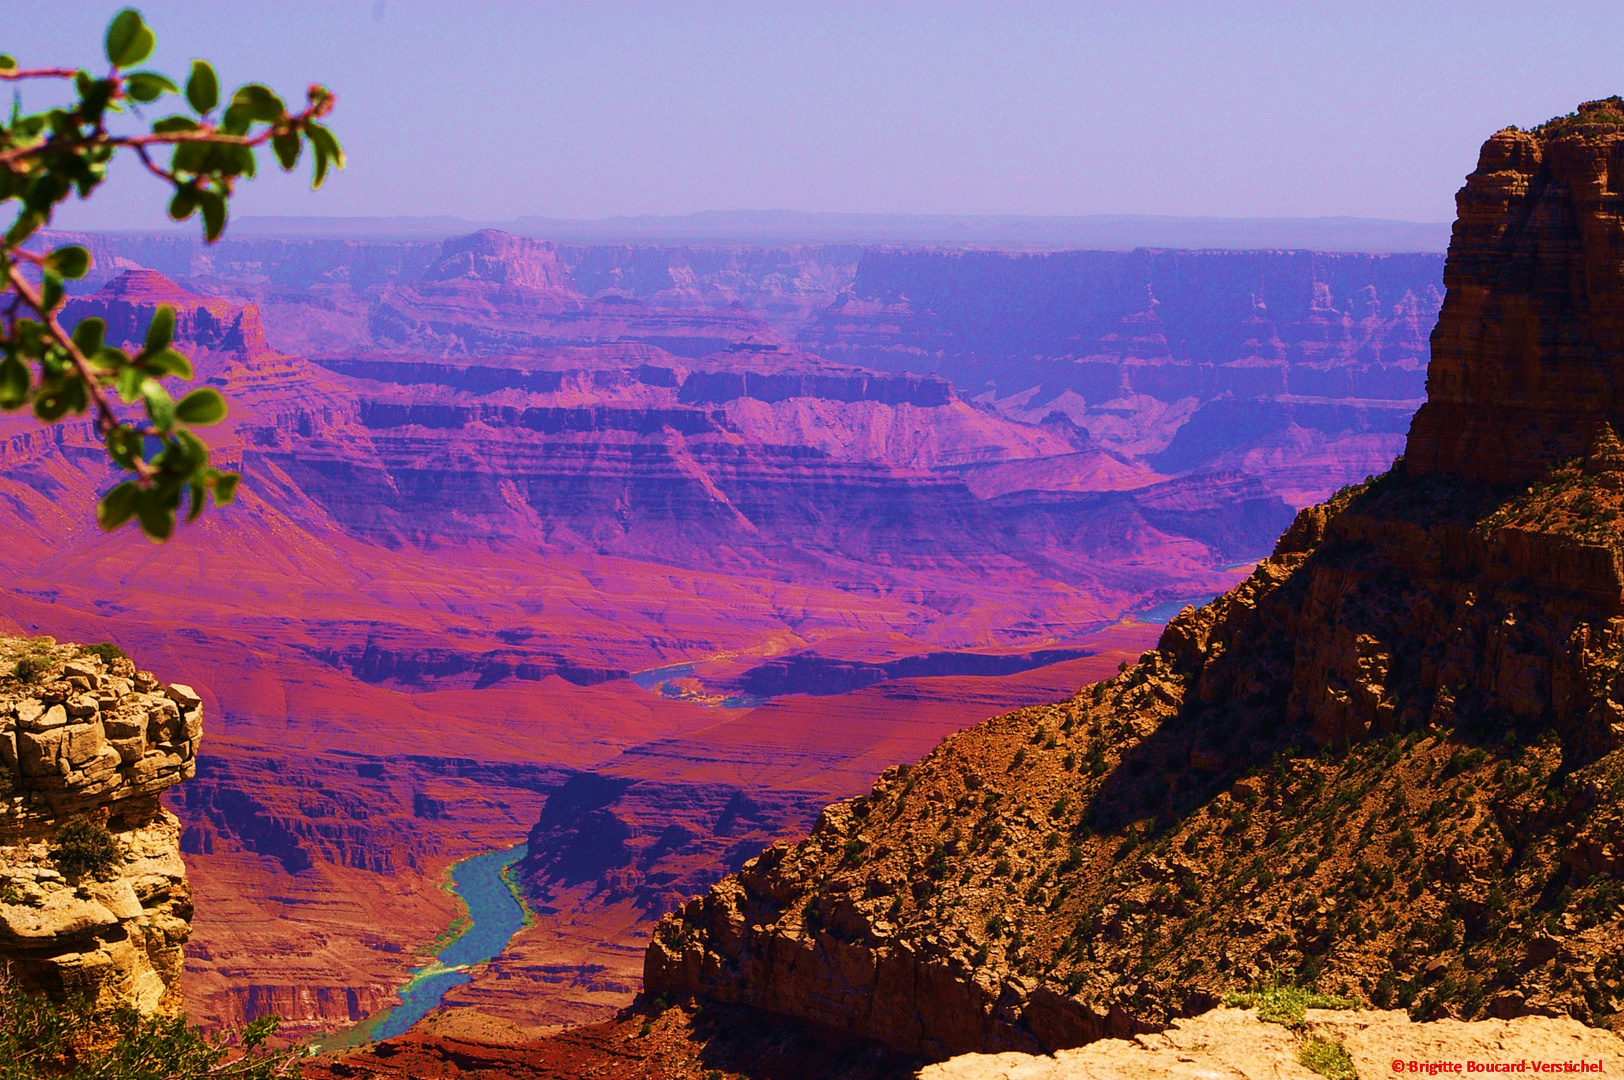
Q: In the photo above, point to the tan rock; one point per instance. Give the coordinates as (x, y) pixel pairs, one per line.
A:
(117, 897)
(183, 695)
(79, 745)
(1233, 1044)
(82, 744)
(62, 915)
(35, 717)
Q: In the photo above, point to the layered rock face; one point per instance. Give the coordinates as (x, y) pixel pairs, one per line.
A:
(1389, 761)
(509, 474)
(1528, 356)
(88, 743)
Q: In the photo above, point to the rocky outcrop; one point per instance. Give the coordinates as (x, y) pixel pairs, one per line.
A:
(93, 895)
(1235, 1045)
(1389, 760)
(126, 304)
(1527, 354)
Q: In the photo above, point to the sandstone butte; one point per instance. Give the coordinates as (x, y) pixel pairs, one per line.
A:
(1389, 763)
(86, 735)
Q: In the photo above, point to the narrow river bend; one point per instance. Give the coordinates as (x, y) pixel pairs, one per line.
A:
(495, 916)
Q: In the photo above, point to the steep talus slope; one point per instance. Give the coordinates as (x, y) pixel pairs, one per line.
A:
(1388, 761)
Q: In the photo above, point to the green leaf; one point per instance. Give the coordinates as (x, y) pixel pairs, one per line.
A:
(287, 146)
(225, 487)
(129, 41)
(160, 406)
(257, 102)
(124, 446)
(199, 497)
(14, 382)
(214, 214)
(110, 359)
(191, 450)
(23, 227)
(118, 505)
(201, 407)
(50, 289)
(161, 330)
(184, 202)
(147, 86)
(88, 336)
(7, 63)
(203, 88)
(72, 261)
(327, 151)
(156, 519)
(130, 381)
(168, 362)
(171, 124)
(52, 406)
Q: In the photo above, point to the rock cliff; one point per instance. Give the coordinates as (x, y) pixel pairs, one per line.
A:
(1529, 352)
(1388, 761)
(93, 896)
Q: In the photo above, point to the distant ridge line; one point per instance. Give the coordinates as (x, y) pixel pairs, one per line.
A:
(1109, 232)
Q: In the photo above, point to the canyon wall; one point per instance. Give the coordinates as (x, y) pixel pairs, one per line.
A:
(94, 900)
(518, 513)
(1527, 354)
(1388, 762)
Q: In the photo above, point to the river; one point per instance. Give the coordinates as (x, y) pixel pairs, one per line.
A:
(495, 915)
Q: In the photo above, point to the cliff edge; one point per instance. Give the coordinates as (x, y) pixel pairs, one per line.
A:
(1388, 762)
(93, 895)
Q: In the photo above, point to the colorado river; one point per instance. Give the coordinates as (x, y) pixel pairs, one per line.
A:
(495, 915)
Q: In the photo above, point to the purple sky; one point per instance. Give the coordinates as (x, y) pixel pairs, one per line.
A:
(590, 109)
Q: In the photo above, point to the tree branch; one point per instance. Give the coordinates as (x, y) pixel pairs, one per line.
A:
(107, 421)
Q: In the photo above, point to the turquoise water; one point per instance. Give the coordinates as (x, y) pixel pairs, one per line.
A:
(496, 916)
(653, 677)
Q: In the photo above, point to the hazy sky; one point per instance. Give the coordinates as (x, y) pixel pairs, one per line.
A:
(495, 110)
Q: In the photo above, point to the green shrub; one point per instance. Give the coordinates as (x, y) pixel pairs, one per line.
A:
(1329, 1059)
(65, 1040)
(85, 847)
(30, 668)
(106, 650)
(1282, 1003)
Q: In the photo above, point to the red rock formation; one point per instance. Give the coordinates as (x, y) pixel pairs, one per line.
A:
(443, 560)
(1527, 354)
(1453, 647)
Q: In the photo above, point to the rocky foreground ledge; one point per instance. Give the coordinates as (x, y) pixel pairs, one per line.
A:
(93, 894)
(1234, 1044)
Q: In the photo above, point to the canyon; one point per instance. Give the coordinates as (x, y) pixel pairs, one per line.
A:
(646, 554)
(1388, 763)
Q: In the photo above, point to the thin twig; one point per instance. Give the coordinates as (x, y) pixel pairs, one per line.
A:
(205, 134)
(39, 73)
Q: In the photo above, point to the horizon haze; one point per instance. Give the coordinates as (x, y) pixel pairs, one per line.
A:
(1045, 110)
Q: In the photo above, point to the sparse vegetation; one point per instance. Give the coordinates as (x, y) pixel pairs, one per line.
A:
(85, 847)
(1328, 1058)
(1283, 1003)
(29, 668)
(106, 651)
(41, 1039)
